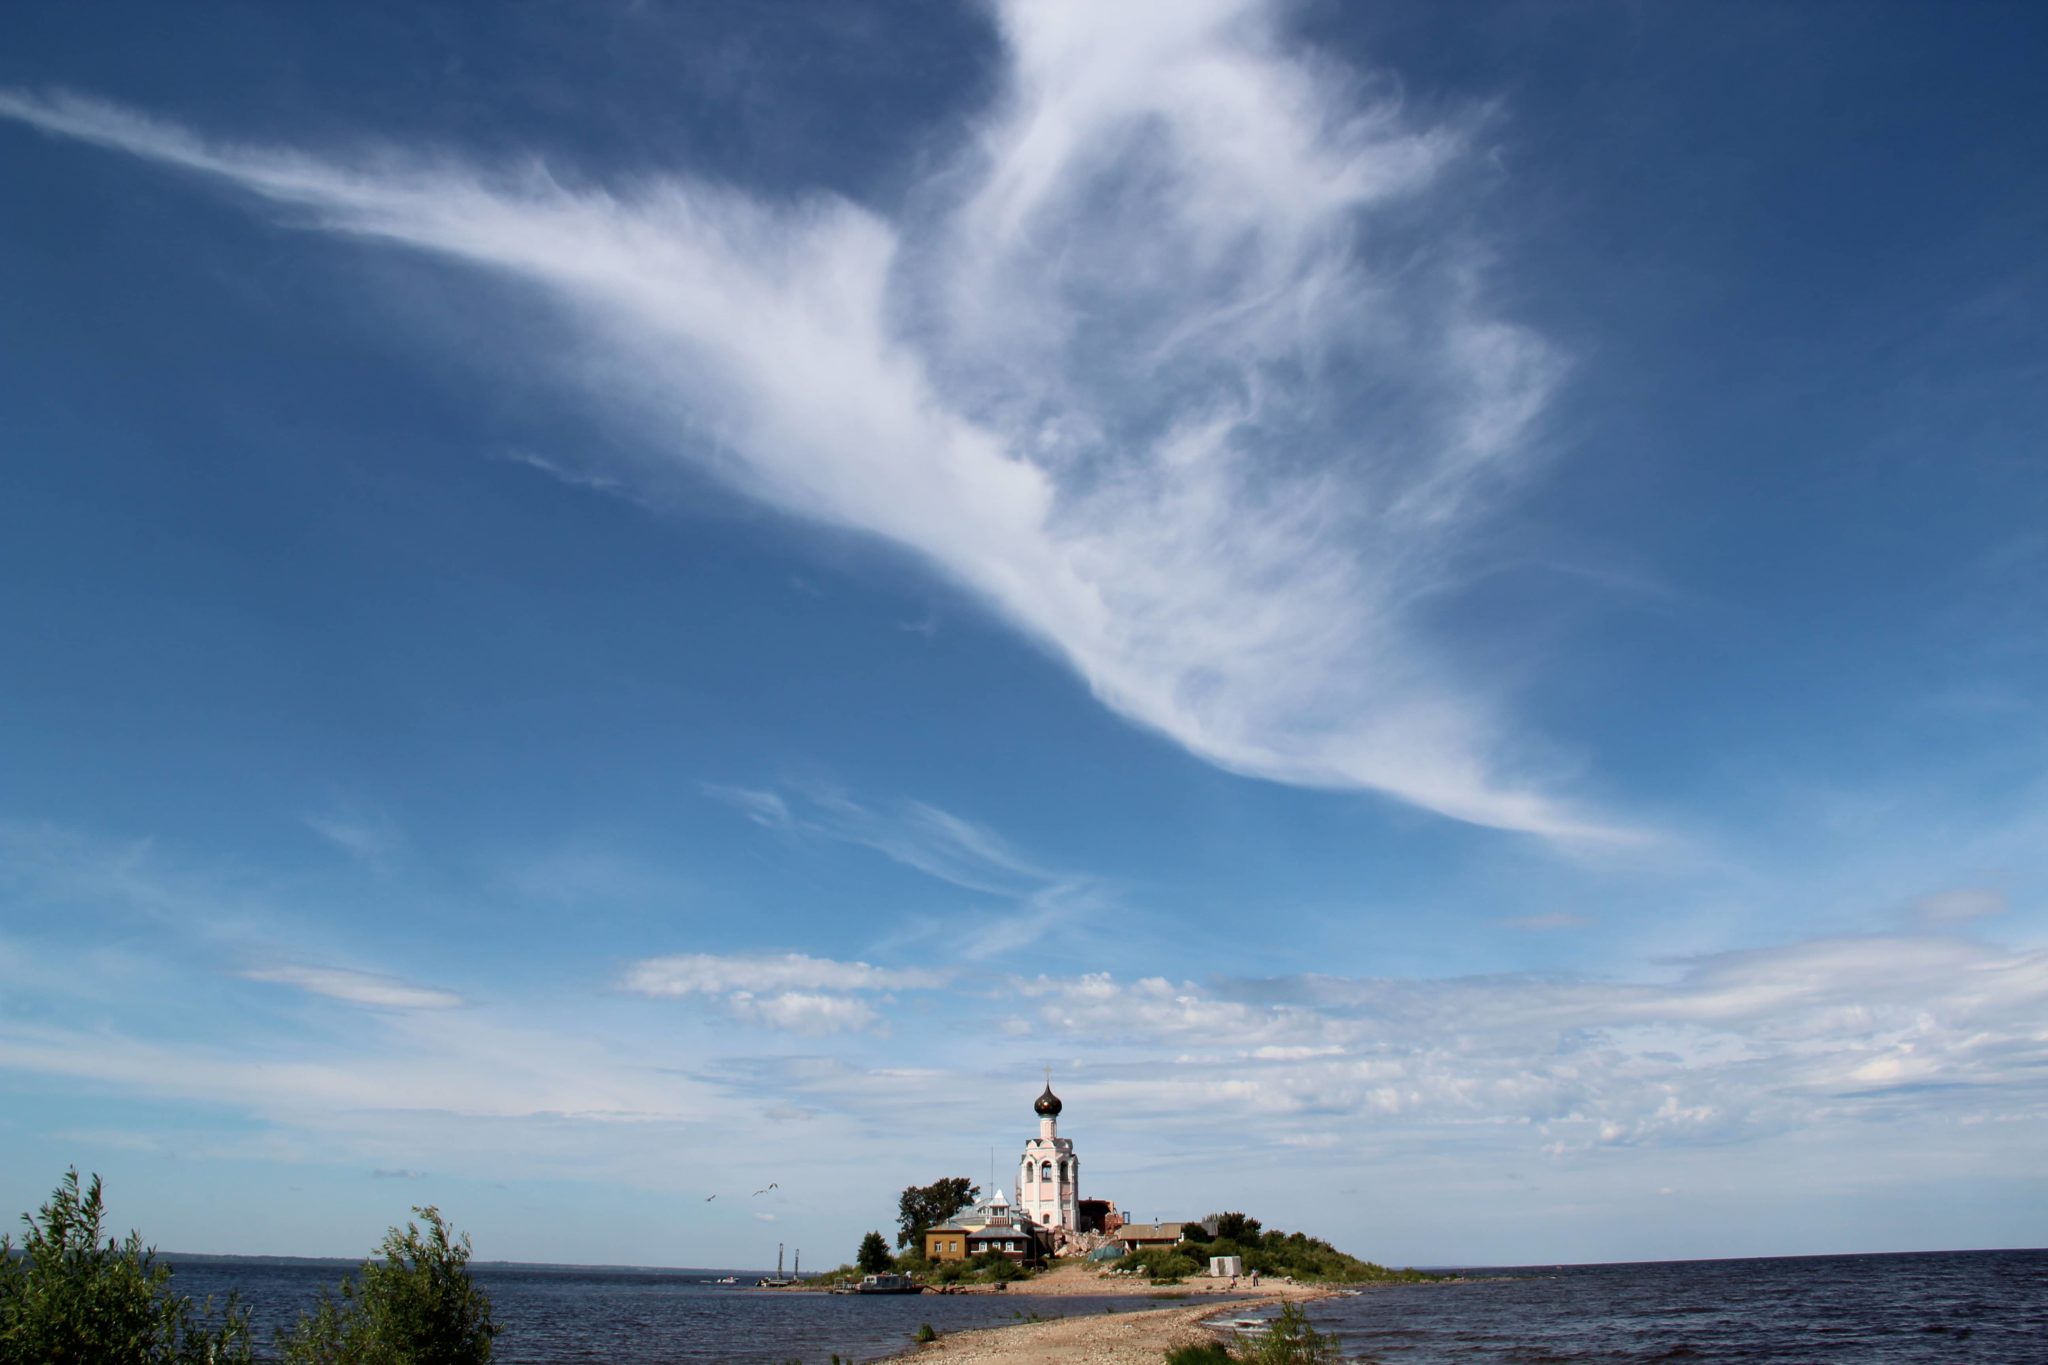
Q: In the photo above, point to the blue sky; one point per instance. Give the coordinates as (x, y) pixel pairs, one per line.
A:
(1441, 608)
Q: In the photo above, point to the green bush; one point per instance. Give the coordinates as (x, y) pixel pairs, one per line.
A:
(924, 1333)
(992, 1267)
(418, 1307)
(1165, 1265)
(1208, 1353)
(68, 1299)
(1291, 1341)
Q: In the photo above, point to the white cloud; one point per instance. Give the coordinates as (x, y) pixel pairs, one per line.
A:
(1177, 367)
(1959, 906)
(792, 992)
(357, 988)
(1739, 1046)
(712, 974)
(804, 1011)
(363, 833)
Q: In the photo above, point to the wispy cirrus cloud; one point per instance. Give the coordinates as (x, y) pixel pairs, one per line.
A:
(364, 833)
(946, 847)
(1959, 905)
(710, 974)
(913, 834)
(790, 991)
(1177, 366)
(357, 988)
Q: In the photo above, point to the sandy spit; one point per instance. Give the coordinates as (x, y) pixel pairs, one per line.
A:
(1128, 1338)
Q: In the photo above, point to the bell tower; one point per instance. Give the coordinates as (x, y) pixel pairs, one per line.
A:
(1049, 1176)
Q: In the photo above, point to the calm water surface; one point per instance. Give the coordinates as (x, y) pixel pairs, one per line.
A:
(1952, 1308)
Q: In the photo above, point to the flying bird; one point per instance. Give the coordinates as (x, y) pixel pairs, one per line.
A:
(709, 1197)
(771, 1186)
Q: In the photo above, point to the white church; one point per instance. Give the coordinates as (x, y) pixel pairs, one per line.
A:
(1049, 1212)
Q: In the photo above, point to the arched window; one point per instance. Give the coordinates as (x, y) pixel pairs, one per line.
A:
(1045, 1171)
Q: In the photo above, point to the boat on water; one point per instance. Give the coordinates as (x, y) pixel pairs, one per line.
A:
(779, 1280)
(888, 1282)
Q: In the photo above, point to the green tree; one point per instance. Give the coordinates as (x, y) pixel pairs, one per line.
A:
(69, 1299)
(873, 1257)
(418, 1307)
(927, 1206)
(1237, 1227)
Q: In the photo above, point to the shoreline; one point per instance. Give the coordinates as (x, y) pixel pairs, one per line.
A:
(1134, 1337)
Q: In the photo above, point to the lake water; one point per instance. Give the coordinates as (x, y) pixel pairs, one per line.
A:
(1951, 1308)
(647, 1317)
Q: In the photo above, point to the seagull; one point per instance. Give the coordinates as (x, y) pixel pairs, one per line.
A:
(771, 1186)
(709, 1197)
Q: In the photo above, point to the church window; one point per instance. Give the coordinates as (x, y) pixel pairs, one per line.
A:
(1045, 1171)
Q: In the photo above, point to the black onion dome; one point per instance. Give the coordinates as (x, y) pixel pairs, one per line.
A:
(1048, 1104)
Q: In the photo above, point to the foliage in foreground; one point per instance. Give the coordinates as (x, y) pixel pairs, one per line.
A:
(69, 1299)
(418, 1307)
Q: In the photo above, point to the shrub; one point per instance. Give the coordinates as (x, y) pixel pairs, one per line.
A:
(68, 1299)
(1291, 1341)
(419, 1307)
(1166, 1266)
(1208, 1353)
(924, 1333)
(992, 1267)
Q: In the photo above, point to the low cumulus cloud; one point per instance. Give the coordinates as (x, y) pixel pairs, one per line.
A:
(1177, 365)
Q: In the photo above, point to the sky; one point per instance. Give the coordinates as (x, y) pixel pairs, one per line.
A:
(1442, 609)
